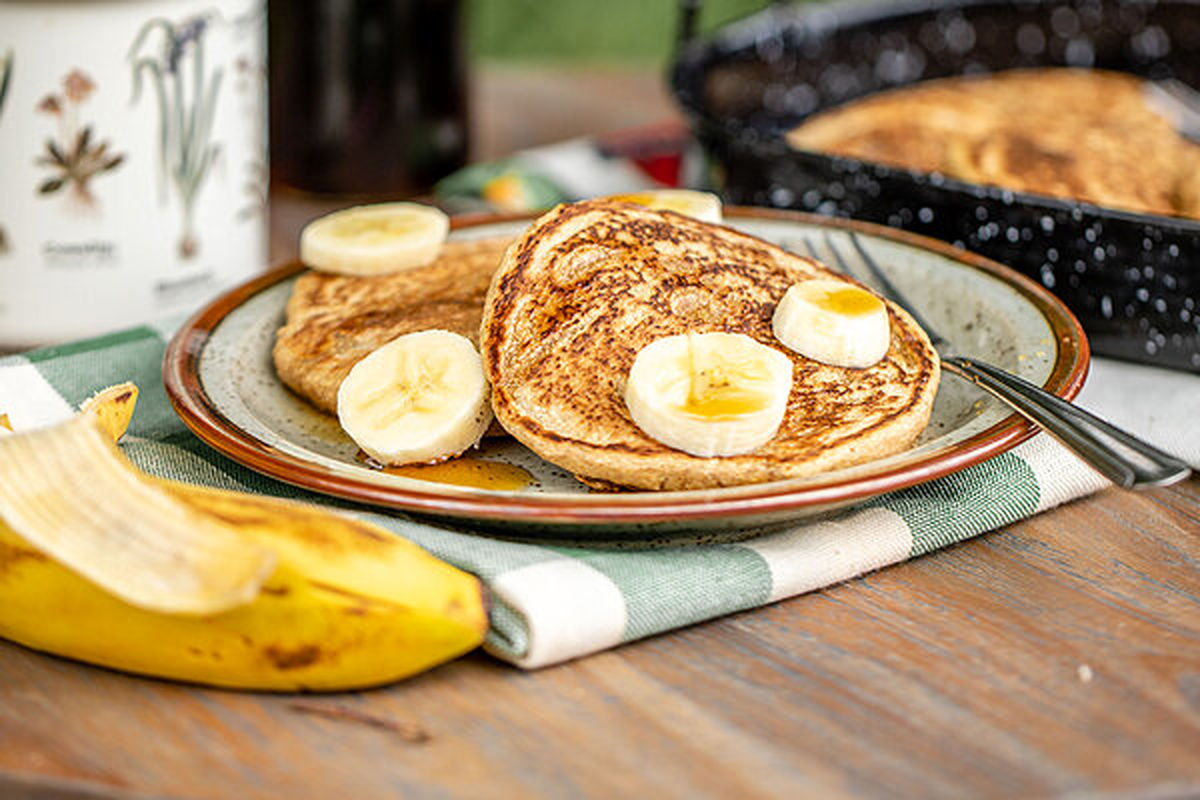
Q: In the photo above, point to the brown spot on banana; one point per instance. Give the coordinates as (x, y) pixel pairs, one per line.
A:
(362, 600)
(11, 555)
(292, 658)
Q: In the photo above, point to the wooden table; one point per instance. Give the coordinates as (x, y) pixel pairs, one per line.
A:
(1059, 656)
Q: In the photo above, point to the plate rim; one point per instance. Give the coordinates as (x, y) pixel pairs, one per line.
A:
(181, 378)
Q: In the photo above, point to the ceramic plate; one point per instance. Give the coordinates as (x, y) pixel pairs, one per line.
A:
(220, 378)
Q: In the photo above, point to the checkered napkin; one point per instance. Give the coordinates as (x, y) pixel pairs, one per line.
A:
(553, 603)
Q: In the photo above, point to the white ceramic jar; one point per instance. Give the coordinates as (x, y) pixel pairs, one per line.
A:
(133, 164)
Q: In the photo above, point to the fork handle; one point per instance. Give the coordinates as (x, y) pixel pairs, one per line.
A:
(1122, 458)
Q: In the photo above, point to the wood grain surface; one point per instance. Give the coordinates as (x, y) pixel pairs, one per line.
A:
(1057, 657)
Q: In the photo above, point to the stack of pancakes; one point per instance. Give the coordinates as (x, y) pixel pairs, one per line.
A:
(1082, 134)
(566, 309)
(333, 321)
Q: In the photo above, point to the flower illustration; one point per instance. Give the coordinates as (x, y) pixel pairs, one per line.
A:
(50, 105)
(186, 94)
(6, 67)
(75, 158)
(77, 86)
(189, 33)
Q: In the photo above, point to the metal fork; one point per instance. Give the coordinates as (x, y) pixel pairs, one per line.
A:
(1121, 457)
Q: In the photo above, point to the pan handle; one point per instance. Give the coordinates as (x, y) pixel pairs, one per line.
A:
(689, 20)
(687, 29)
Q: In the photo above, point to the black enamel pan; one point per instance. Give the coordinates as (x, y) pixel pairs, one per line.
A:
(1132, 279)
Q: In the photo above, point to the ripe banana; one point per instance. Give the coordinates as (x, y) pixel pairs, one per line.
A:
(701, 205)
(709, 394)
(420, 398)
(348, 605)
(833, 322)
(374, 239)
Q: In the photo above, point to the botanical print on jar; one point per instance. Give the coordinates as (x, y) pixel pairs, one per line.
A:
(180, 219)
(187, 100)
(6, 64)
(250, 88)
(74, 158)
(6, 69)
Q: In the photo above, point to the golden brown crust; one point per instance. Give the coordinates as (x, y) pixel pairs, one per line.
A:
(1084, 134)
(590, 284)
(333, 321)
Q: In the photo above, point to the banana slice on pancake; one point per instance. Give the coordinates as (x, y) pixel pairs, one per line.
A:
(709, 394)
(833, 322)
(704, 206)
(374, 239)
(420, 398)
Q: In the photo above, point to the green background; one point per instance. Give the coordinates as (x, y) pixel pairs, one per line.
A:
(634, 32)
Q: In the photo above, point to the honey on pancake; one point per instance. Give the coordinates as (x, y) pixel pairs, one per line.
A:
(474, 473)
(714, 394)
(849, 302)
(722, 401)
(638, 198)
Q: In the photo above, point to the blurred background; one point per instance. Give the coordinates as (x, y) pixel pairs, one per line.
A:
(601, 53)
(385, 98)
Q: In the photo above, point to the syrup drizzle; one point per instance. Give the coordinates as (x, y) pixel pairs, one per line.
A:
(850, 301)
(476, 473)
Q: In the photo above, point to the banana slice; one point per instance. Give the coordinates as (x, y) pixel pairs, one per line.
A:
(419, 398)
(709, 394)
(833, 322)
(701, 205)
(375, 239)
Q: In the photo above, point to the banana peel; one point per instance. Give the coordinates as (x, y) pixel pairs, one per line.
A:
(112, 409)
(68, 491)
(344, 605)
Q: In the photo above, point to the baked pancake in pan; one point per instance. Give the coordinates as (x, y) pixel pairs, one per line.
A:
(1088, 135)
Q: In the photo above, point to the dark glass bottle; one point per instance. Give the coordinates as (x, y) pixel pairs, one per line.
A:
(368, 97)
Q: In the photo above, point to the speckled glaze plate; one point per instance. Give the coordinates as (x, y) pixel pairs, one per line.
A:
(220, 378)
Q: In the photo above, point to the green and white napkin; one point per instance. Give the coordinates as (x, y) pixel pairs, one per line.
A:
(554, 603)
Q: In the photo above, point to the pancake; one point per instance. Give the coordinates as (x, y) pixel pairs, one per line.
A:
(590, 284)
(333, 321)
(1088, 135)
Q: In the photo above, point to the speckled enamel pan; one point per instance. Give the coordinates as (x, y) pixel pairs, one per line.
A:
(220, 378)
(1132, 279)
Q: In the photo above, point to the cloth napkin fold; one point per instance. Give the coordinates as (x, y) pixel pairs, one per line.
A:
(554, 603)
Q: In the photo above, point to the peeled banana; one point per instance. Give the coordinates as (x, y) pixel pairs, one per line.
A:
(420, 398)
(709, 394)
(833, 322)
(374, 239)
(347, 604)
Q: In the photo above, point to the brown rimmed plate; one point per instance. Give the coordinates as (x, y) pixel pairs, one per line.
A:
(220, 378)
